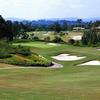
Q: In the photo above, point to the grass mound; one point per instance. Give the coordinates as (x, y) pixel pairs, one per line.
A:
(19, 55)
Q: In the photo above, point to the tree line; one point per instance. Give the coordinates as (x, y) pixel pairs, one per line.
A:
(11, 30)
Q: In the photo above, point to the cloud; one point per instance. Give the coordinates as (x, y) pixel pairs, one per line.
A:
(35, 9)
(76, 6)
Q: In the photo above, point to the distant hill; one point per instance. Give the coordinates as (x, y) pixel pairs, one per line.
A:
(16, 19)
(91, 19)
(46, 22)
(56, 19)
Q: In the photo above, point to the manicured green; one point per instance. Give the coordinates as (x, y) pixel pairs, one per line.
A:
(35, 44)
(71, 82)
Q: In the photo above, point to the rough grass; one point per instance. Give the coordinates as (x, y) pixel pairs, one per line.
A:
(33, 60)
(69, 83)
(42, 34)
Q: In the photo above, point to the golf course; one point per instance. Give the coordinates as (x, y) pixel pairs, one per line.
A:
(71, 82)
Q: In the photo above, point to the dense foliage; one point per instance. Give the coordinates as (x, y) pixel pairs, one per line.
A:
(19, 55)
(90, 37)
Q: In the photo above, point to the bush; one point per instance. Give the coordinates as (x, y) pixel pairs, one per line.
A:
(77, 43)
(22, 50)
(36, 38)
(4, 54)
(19, 55)
(24, 36)
(7, 49)
(71, 41)
(47, 39)
(57, 39)
(62, 34)
(90, 38)
(4, 50)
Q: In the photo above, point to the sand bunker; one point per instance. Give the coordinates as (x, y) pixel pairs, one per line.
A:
(95, 62)
(46, 34)
(53, 44)
(8, 66)
(67, 57)
(56, 65)
(78, 37)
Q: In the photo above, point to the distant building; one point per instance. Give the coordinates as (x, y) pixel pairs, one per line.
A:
(97, 28)
(78, 29)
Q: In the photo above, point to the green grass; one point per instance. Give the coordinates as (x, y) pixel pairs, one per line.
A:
(35, 44)
(69, 83)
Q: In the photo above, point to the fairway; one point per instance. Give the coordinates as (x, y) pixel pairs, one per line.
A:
(35, 44)
(71, 82)
(49, 50)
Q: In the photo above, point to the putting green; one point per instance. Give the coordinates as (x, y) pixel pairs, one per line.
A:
(35, 44)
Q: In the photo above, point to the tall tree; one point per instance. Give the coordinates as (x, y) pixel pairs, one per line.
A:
(57, 27)
(79, 22)
(2, 27)
(9, 31)
(90, 37)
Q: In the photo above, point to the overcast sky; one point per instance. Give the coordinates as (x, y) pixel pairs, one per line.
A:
(40, 9)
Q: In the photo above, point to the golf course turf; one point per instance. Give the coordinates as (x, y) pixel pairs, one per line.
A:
(71, 82)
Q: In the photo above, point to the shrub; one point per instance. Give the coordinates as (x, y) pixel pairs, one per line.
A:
(7, 49)
(90, 38)
(71, 41)
(47, 39)
(24, 36)
(57, 39)
(22, 50)
(77, 43)
(4, 54)
(62, 33)
(36, 38)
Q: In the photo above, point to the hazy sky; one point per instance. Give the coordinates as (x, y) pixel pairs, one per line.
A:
(40, 9)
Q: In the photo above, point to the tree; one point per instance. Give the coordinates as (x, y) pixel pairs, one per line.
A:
(57, 39)
(79, 22)
(2, 28)
(71, 41)
(9, 31)
(96, 24)
(65, 26)
(16, 29)
(47, 39)
(57, 27)
(90, 38)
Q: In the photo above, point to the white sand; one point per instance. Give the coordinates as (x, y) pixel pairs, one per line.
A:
(78, 37)
(53, 44)
(56, 65)
(95, 62)
(67, 57)
(45, 34)
(98, 49)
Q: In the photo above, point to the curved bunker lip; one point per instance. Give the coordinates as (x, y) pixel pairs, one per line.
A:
(94, 62)
(67, 57)
(54, 65)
